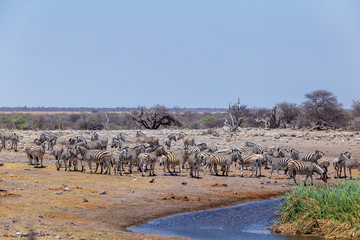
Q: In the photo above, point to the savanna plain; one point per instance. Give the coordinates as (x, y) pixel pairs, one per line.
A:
(75, 205)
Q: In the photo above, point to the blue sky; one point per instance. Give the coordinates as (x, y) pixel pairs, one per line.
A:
(185, 53)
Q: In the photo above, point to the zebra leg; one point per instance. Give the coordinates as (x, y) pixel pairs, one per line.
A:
(350, 173)
(180, 165)
(89, 162)
(293, 175)
(242, 172)
(277, 169)
(109, 167)
(272, 169)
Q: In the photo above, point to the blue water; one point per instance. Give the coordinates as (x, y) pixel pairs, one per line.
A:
(243, 221)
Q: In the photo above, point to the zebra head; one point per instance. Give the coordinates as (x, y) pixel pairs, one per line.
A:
(321, 172)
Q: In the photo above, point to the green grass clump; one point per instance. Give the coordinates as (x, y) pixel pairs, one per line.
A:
(319, 210)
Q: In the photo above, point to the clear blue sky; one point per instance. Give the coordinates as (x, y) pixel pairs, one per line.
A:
(187, 53)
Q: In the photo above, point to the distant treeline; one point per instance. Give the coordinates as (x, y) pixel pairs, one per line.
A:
(93, 109)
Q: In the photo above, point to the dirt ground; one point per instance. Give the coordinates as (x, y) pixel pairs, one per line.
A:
(74, 205)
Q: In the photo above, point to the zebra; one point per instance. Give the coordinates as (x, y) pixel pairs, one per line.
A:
(305, 168)
(339, 164)
(171, 159)
(97, 156)
(68, 155)
(14, 141)
(130, 156)
(223, 160)
(188, 140)
(277, 163)
(167, 141)
(5, 136)
(91, 145)
(308, 157)
(250, 150)
(349, 164)
(194, 163)
(324, 163)
(50, 138)
(150, 158)
(252, 161)
(36, 153)
(103, 140)
(117, 143)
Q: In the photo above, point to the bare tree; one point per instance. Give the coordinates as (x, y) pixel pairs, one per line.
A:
(356, 108)
(272, 121)
(238, 113)
(323, 109)
(154, 117)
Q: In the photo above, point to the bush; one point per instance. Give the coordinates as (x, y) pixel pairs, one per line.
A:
(318, 209)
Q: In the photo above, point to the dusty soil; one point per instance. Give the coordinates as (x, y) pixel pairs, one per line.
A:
(74, 205)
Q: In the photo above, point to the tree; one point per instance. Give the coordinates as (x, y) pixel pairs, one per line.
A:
(154, 117)
(289, 113)
(270, 122)
(323, 109)
(238, 113)
(356, 108)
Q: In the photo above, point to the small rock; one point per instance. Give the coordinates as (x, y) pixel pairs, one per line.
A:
(58, 193)
(275, 181)
(235, 193)
(85, 200)
(224, 185)
(184, 183)
(268, 182)
(17, 234)
(36, 181)
(283, 185)
(58, 237)
(103, 193)
(66, 189)
(41, 216)
(6, 227)
(152, 180)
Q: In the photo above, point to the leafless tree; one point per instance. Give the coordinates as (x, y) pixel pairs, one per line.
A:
(154, 117)
(356, 108)
(271, 121)
(323, 109)
(238, 113)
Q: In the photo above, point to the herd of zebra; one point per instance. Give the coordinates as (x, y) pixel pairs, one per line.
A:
(144, 152)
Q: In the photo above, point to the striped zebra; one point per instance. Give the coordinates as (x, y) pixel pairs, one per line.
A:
(250, 150)
(117, 143)
(171, 159)
(150, 159)
(254, 162)
(349, 163)
(167, 141)
(305, 168)
(277, 163)
(14, 142)
(339, 164)
(130, 156)
(97, 156)
(103, 140)
(307, 157)
(50, 138)
(5, 136)
(224, 161)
